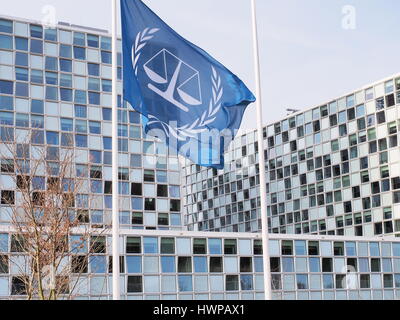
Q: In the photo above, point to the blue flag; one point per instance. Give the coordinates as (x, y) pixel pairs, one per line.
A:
(187, 99)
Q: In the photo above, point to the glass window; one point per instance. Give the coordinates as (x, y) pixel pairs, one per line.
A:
(168, 264)
(65, 51)
(81, 141)
(185, 283)
(167, 245)
(185, 264)
(36, 46)
(65, 80)
(215, 246)
(92, 41)
(230, 246)
(94, 98)
(66, 95)
(246, 282)
(287, 247)
(216, 264)
(287, 265)
(199, 246)
(93, 69)
(6, 87)
(80, 111)
(6, 42)
(51, 63)
(79, 39)
(150, 245)
(200, 264)
(50, 34)
(300, 248)
(79, 53)
(302, 281)
(135, 284)
(351, 249)
(328, 281)
(232, 283)
(6, 26)
(21, 44)
(374, 249)
(134, 264)
(106, 57)
(106, 43)
(314, 265)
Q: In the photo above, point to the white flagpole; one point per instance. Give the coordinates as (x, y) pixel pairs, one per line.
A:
(261, 157)
(115, 164)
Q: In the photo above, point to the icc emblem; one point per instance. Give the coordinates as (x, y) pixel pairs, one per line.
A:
(174, 80)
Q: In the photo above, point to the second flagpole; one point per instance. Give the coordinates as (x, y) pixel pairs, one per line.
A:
(261, 158)
(115, 164)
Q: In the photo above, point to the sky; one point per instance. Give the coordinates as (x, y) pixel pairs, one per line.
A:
(311, 51)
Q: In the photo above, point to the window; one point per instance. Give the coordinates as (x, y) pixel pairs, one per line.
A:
(168, 264)
(287, 247)
(199, 246)
(134, 264)
(216, 264)
(230, 246)
(167, 246)
(137, 218)
(246, 264)
(149, 176)
(6, 42)
(185, 283)
(136, 189)
(302, 281)
(215, 246)
(150, 204)
(79, 53)
(67, 124)
(93, 69)
(65, 65)
(95, 127)
(232, 283)
(200, 264)
(51, 63)
(163, 219)
(150, 245)
(7, 197)
(184, 264)
(135, 284)
(79, 264)
(6, 26)
(338, 248)
(313, 248)
(92, 41)
(36, 46)
(18, 286)
(162, 190)
(98, 245)
(246, 282)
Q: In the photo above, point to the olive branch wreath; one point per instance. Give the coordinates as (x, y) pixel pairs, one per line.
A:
(200, 124)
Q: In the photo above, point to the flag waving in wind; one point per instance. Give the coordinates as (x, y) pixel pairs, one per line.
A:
(187, 98)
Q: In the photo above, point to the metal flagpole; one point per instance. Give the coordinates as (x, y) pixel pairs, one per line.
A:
(263, 186)
(115, 164)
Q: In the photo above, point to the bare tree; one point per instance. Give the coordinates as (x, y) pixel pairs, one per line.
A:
(51, 240)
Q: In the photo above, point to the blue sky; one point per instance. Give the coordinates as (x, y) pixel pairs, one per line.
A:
(307, 58)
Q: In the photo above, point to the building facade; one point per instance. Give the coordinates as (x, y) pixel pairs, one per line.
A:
(331, 170)
(55, 83)
(170, 265)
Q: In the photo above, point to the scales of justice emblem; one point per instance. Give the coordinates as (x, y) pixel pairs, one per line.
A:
(178, 83)
(174, 80)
